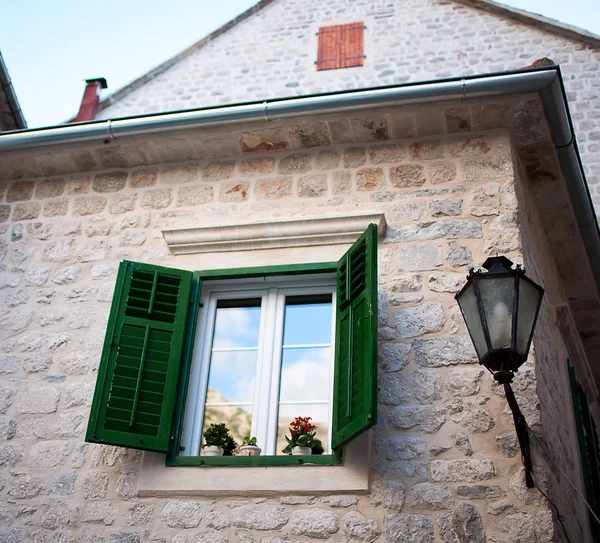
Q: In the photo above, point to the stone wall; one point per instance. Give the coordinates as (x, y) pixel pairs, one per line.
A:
(445, 457)
(272, 54)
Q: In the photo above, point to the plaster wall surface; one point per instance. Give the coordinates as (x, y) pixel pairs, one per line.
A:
(445, 459)
(272, 54)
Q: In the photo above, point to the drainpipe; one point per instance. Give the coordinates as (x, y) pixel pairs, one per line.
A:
(546, 81)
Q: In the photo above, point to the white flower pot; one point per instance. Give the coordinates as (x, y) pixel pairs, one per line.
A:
(297, 450)
(250, 450)
(213, 450)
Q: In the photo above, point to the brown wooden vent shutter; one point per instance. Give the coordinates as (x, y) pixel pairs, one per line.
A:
(340, 46)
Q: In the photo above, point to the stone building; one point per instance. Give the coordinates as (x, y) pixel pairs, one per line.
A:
(267, 198)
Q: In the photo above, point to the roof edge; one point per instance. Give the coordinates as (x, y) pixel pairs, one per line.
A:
(534, 19)
(161, 68)
(13, 103)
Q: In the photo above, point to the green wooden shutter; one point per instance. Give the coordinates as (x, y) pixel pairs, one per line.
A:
(589, 448)
(136, 386)
(355, 373)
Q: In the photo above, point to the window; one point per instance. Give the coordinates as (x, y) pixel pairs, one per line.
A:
(183, 349)
(264, 356)
(340, 46)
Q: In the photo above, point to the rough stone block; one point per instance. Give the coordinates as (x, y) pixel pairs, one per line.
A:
(407, 175)
(139, 513)
(427, 150)
(145, 177)
(38, 400)
(394, 390)
(132, 238)
(88, 205)
(49, 188)
(340, 183)
(462, 524)
(409, 529)
(4, 213)
(312, 186)
(354, 157)
(458, 255)
(48, 454)
(393, 356)
(327, 159)
(295, 164)
(259, 517)
(370, 129)
(464, 381)
(360, 528)
(157, 199)
(419, 257)
(427, 386)
(20, 191)
(26, 211)
(27, 486)
(462, 471)
(272, 189)
(109, 181)
(479, 492)
(487, 168)
(370, 179)
(535, 526)
(448, 207)
(178, 174)
(428, 419)
(315, 523)
(122, 203)
(233, 191)
(215, 171)
(442, 172)
(99, 512)
(449, 229)
(180, 514)
(435, 353)
(421, 319)
(430, 496)
(400, 447)
(446, 282)
(257, 166)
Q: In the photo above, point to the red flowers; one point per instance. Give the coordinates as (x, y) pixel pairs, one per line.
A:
(301, 426)
(303, 434)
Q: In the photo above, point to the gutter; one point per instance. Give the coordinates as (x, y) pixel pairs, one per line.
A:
(11, 97)
(546, 81)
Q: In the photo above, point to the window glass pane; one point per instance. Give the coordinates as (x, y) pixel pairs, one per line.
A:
(307, 323)
(305, 385)
(237, 326)
(305, 375)
(497, 294)
(232, 372)
(529, 298)
(237, 419)
(288, 412)
(470, 309)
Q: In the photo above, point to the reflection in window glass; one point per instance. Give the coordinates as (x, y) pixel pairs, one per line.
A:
(232, 373)
(305, 386)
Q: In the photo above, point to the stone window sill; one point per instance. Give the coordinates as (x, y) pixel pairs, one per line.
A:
(158, 480)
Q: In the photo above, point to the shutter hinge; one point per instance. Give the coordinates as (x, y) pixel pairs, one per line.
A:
(200, 304)
(181, 448)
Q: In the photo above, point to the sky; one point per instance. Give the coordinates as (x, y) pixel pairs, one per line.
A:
(51, 47)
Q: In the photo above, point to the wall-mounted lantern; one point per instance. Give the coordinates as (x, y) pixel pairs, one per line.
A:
(500, 308)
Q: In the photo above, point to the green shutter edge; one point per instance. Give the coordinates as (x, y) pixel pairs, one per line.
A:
(368, 419)
(184, 375)
(90, 435)
(159, 443)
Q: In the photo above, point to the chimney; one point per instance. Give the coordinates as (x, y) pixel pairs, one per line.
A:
(91, 99)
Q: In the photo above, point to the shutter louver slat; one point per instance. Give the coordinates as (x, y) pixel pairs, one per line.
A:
(137, 378)
(355, 373)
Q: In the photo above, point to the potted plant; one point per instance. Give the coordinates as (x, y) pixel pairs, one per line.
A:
(249, 447)
(303, 437)
(218, 441)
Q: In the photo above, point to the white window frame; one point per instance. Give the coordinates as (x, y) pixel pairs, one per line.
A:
(272, 290)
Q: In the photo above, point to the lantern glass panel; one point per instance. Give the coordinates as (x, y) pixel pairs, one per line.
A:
(468, 305)
(529, 299)
(497, 295)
